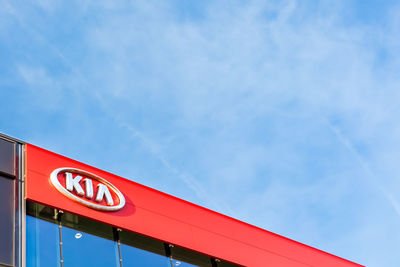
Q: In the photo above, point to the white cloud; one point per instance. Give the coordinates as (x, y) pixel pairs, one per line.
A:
(44, 89)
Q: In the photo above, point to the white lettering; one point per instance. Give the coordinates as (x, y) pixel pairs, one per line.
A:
(102, 191)
(89, 188)
(73, 183)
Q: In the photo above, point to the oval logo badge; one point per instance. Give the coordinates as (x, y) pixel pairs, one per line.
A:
(87, 189)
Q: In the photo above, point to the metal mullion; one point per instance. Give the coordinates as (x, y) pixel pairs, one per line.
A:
(168, 252)
(21, 206)
(19, 215)
(58, 216)
(117, 239)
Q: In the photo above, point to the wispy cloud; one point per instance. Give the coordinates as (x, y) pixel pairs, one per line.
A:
(190, 181)
(369, 173)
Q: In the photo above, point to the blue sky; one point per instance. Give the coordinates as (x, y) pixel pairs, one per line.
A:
(283, 114)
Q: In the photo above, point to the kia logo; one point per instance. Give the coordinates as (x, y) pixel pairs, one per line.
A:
(80, 185)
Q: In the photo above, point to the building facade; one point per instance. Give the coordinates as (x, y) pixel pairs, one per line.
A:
(56, 211)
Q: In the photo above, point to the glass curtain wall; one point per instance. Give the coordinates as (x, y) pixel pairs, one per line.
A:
(86, 243)
(9, 205)
(42, 237)
(62, 239)
(7, 208)
(138, 250)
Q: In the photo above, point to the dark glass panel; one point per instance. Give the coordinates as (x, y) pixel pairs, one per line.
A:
(138, 250)
(7, 158)
(226, 264)
(187, 258)
(142, 242)
(40, 211)
(6, 220)
(42, 243)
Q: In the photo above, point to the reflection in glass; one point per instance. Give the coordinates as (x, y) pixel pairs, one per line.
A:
(7, 210)
(83, 249)
(42, 243)
(137, 250)
(187, 258)
(178, 263)
(132, 256)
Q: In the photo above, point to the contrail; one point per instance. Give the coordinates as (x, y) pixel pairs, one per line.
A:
(349, 146)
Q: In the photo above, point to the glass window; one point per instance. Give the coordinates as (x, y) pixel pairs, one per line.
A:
(180, 263)
(87, 243)
(132, 256)
(6, 220)
(42, 243)
(138, 250)
(7, 158)
(83, 249)
(187, 258)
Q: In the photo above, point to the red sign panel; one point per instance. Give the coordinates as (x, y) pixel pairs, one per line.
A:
(66, 184)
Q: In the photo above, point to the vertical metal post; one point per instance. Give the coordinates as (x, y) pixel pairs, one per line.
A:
(117, 239)
(168, 252)
(214, 262)
(20, 237)
(58, 215)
